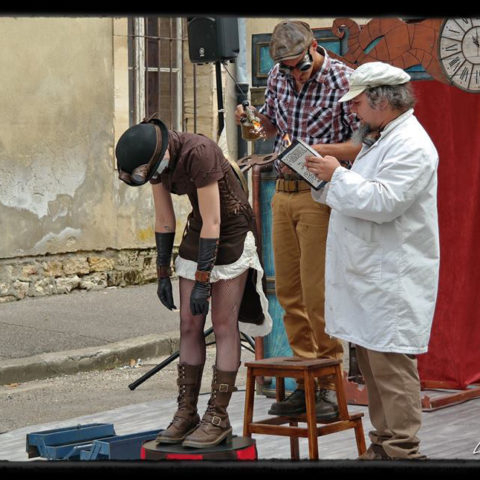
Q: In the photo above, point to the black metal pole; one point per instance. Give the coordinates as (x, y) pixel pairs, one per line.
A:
(242, 95)
(161, 365)
(153, 371)
(218, 72)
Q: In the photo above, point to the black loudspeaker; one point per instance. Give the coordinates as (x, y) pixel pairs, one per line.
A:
(212, 39)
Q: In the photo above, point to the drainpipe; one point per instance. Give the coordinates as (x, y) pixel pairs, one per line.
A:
(242, 82)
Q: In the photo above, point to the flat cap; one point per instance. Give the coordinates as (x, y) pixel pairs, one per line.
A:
(290, 39)
(374, 74)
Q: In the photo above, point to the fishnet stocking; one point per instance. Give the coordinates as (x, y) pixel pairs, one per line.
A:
(225, 304)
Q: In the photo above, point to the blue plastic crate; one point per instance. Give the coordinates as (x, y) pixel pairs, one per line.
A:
(67, 442)
(120, 447)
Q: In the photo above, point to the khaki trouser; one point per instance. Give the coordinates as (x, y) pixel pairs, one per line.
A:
(299, 240)
(394, 401)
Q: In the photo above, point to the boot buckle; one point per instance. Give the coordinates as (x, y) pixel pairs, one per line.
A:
(216, 421)
(223, 387)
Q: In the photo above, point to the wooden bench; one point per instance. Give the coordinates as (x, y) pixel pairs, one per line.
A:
(309, 370)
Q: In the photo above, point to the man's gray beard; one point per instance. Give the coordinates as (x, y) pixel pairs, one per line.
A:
(361, 133)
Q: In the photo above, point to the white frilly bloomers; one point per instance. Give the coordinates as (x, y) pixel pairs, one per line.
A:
(249, 259)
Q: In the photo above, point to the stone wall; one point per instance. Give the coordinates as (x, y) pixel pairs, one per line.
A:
(62, 273)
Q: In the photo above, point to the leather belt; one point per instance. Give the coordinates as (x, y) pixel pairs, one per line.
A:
(291, 186)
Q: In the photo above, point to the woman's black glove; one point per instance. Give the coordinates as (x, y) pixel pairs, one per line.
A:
(164, 243)
(201, 292)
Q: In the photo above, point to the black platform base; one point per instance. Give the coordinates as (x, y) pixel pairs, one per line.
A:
(238, 448)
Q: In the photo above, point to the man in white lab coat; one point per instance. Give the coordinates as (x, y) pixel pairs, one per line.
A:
(383, 253)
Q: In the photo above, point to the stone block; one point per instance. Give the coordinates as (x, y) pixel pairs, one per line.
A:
(101, 264)
(53, 268)
(76, 266)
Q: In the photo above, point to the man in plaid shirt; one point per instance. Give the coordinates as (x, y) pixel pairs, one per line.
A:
(301, 102)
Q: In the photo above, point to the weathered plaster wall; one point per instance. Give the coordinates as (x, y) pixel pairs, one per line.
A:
(59, 189)
(65, 218)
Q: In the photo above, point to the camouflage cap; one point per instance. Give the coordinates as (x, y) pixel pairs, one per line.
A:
(290, 39)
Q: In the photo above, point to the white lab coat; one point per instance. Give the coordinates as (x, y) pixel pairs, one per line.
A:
(382, 259)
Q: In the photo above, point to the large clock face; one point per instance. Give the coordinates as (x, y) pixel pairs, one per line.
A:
(459, 52)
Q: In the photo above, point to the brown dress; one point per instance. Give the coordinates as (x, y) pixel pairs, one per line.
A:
(196, 161)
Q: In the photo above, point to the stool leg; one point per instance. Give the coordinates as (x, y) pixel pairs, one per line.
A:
(249, 398)
(294, 445)
(280, 389)
(280, 395)
(341, 398)
(311, 416)
(360, 437)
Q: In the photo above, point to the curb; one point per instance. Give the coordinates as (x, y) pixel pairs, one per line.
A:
(69, 362)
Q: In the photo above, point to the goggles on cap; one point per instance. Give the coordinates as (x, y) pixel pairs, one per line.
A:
(303, 65)
(143, 172)
(139, 174)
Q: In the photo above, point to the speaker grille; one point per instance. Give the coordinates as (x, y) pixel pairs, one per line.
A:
(212, 39)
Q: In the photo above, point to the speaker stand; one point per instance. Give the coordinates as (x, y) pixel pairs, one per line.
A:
(218, 72)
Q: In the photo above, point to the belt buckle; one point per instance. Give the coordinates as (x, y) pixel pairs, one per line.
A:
(291, 185)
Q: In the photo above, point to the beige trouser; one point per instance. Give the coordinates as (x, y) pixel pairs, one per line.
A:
(299, 234)
(394, 401)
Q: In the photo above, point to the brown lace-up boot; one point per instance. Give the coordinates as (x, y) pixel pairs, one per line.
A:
(186, 417)
(215, 424)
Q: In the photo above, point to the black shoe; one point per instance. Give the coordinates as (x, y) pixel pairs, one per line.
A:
(294, 404)
(326, 407)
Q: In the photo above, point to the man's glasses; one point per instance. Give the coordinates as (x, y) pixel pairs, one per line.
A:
(303, 65)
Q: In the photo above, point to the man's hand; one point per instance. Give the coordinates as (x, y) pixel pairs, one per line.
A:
(239, 114)
(319, 148)
(286, 170)
(322, 167)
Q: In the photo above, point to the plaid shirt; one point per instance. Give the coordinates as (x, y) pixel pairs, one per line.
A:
(314, 114)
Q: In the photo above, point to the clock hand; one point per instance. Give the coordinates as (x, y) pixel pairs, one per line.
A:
(475, 40)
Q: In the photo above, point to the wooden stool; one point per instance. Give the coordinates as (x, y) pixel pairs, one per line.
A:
(295, 367)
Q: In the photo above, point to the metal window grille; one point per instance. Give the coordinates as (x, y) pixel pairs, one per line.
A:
(155, 59)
